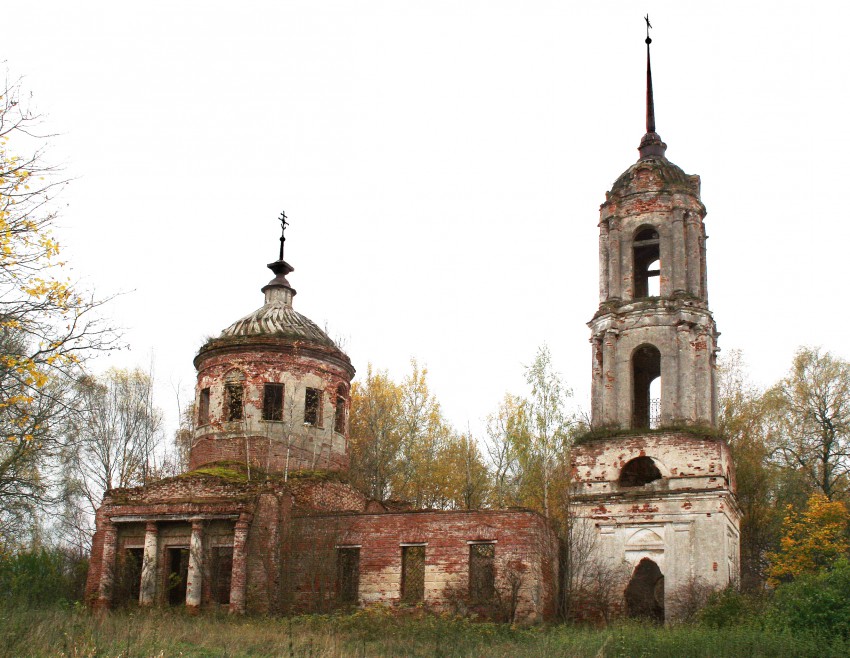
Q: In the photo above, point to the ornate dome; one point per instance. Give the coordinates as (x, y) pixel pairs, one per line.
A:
(277, 318)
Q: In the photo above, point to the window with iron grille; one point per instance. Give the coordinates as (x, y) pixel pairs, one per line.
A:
(204, 407)
(339, 417)
(347, 574)
(273, 402)
(313, 407)
(412, 574)
(233, 401)
(221, 568)
(482, 572)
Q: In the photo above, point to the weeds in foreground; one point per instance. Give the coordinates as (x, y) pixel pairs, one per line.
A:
(76, 633)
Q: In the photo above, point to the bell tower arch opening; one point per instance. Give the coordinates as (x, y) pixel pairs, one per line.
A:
(646, 369)
(646, 262)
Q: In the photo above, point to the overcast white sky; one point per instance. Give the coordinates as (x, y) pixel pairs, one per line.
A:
(442, 165)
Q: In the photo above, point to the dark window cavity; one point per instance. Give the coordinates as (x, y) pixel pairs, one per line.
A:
(647, 266)
(412, 574)
(204, 407)
(482, 572)
(313, 407)
(339, 412)
(233, 401)
(347, 574)
(273, 402)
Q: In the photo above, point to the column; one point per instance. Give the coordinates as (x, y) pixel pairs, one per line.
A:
(147, 590)
(196, 572)
(685, 368)
(702, 262)
(603, 261)
(609, 378)
(107, 565)
(238, 576)
(693, 250)
(702, 377)
(596, 391)
(615, 282)
(678, 238)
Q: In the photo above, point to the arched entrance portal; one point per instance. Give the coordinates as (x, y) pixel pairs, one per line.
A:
(645, 592)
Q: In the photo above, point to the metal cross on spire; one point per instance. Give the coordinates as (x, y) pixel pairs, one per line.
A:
(650, 103)
(283, 225)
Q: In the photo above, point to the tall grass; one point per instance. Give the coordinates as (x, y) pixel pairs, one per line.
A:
(163, 633)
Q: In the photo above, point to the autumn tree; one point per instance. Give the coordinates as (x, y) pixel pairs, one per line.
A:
(812, 540)
(47, 324)
(811, 420)
(113, 435)
(505, 445)
(743, 422)
(374, 433)
(548, 424)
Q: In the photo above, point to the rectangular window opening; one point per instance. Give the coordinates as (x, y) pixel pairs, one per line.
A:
(273, 402)
(233, 402)
(313, 407)
(204, 407)
(347, 574)
(339, 417)
(412, 574)
(482, 572)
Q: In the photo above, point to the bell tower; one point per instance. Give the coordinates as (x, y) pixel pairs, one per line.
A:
(654, 339)
(653, 480)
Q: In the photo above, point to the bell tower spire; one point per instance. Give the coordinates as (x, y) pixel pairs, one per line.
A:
(653, 334)
(651, 144)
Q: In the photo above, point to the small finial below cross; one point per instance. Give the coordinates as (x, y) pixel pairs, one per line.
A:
(283, 225)
(648, 26)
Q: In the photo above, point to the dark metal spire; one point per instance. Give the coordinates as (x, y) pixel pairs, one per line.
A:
(651, 144)
(280, 267)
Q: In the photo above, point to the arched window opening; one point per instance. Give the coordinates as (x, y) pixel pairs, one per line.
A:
(645, 592)
(639, 472)
(646, 368)
(647, 266)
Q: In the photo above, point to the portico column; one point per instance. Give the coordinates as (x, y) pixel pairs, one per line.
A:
(195, 577)
(238, 576)
(147, 590)
(107, 565)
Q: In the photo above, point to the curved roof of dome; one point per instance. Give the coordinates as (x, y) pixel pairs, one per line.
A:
(667, 176)
(277, 318)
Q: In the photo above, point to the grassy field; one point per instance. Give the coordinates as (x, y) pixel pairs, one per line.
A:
(166, 633)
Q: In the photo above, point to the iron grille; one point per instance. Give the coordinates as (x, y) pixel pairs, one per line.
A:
(412, 574)
(654, 413)
(482, 572)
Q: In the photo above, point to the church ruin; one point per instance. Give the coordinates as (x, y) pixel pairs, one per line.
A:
(264, 520)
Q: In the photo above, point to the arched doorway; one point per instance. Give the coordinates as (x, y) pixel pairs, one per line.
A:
(645, 592)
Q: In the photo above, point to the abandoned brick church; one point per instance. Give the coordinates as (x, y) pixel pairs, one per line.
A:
(264, 520)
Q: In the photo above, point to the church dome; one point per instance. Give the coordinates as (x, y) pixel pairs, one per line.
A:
(654, 174)
(277, 318)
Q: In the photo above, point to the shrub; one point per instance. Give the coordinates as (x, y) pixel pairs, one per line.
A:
(817, 603)
(40, 578)
(729, 607)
